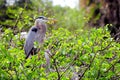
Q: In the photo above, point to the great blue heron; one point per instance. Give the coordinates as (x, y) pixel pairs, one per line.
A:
(35, 34)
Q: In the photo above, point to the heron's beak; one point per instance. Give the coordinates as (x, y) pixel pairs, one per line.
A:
(51, 20)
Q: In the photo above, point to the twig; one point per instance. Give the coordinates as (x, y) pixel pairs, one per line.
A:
(111, 66)
(98, 75)
(71, 64)
(93, 59)
(23, 69)
(88, 67)
(55, 64)
(59, 77)
(105, 47)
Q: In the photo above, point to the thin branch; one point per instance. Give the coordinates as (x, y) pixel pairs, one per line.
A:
(108, 46)
(23, 69)
(111, 66)
(54, 63)
(98, 75)
(93, 59)
(59, 77)
(71, 64)
(88, 66)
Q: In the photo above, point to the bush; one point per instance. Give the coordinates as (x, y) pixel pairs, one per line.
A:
(92, 55)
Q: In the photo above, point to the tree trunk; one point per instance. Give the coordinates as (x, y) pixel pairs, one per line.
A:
(108, 12)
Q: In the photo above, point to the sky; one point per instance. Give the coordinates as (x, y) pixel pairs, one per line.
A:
(63, 3)
(70, 3)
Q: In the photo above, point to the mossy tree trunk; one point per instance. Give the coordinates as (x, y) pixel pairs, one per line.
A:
(104, 12)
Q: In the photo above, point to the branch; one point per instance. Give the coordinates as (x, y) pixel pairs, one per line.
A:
(88, 67)
(99, 73)
(111, 66)
(54, 60)
(108, 46)
(93, 60)
(71, 64)
(54, 63)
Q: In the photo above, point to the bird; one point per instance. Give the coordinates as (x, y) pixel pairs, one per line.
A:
(35, 34)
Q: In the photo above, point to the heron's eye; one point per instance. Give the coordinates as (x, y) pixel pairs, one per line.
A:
(39, 28)
(41, 18)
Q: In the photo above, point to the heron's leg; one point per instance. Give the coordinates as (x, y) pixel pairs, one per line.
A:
(34, 51)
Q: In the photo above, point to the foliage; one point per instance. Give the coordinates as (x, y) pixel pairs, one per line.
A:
(76, 52)
(93, 55)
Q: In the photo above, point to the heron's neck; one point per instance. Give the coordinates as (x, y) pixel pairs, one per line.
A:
(38, 22)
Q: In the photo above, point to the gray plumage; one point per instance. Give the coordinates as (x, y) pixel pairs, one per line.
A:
(35, 34)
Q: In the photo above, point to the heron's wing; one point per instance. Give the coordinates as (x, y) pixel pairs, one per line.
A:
(29, 44)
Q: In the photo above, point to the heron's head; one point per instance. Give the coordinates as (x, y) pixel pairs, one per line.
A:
(42, 18)
(45, 19)
(40, 21)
